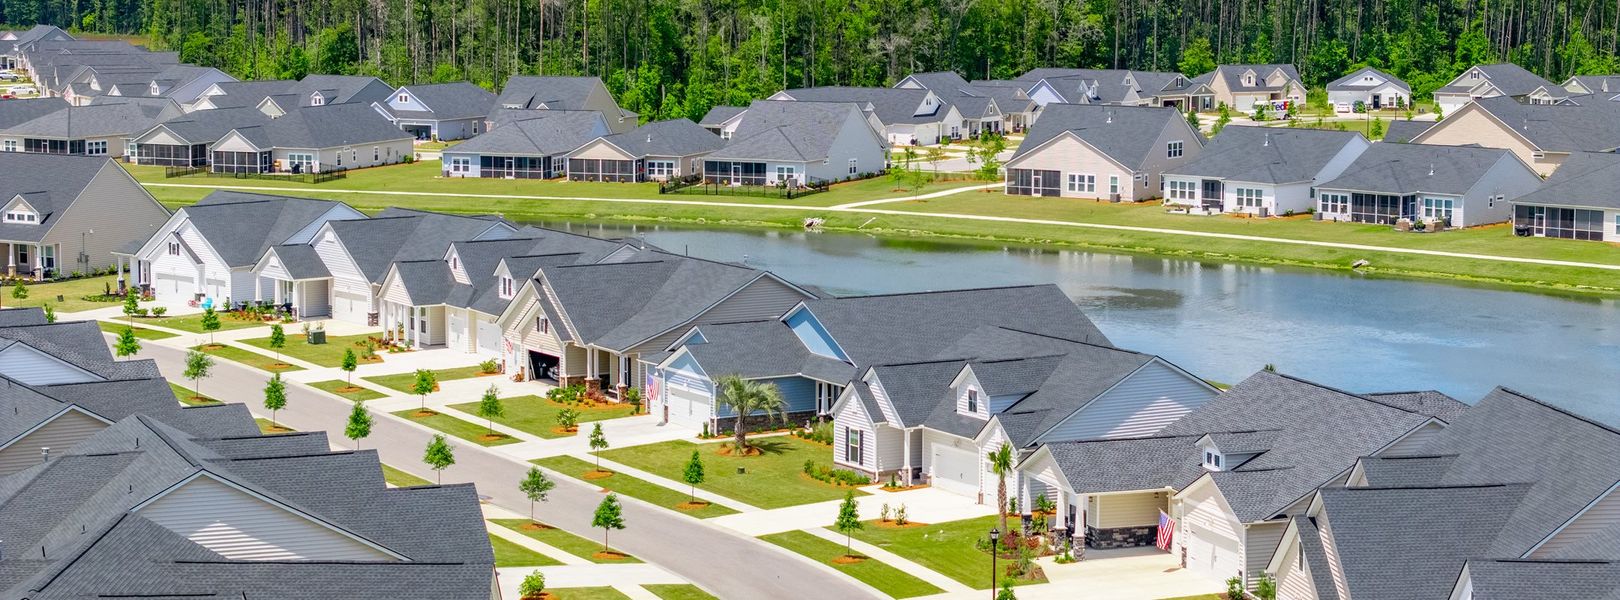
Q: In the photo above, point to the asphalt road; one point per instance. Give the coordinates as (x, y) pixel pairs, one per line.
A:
(728, 564)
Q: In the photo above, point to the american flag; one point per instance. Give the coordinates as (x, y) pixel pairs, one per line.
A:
(1167, 527)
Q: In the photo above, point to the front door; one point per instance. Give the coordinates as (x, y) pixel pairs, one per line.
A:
(736, 174)
(1377, 101)
(508, 167)
(1538, 223)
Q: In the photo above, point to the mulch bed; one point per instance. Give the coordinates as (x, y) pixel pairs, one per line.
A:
(493, 437)
(895, 525)
(597, 474)
(423, 413)
(610, 556)
(849, 559)
(562, 431)
(692, 505)
(902, 488)
(728, 450)
(533, 526)
(349, 389)
(212, 346)
(278, 429)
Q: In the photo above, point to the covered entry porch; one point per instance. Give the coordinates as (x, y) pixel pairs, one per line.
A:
(416, 327)
(30, 260)
(303, 298)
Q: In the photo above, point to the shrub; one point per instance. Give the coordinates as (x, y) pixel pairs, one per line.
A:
(159, 311)
(826, 474)
(489, 366)
(1266, 588)
(533, 585)
(141, 312)
(1234, 587)
(883, 513)
(900, 517)
(368, 349)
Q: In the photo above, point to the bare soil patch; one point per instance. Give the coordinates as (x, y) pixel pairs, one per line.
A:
(597, 474)
(849, 559)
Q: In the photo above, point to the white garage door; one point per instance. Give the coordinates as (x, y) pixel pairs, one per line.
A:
(688, 399)
(955, 470)
(350, 306)
(176, 285)
(456, 334)
(489, 339)
(1212, 553)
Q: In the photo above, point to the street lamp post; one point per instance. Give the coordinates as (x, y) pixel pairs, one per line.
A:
(995, 535)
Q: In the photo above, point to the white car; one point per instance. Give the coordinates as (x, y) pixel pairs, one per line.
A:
(9, 76)
(21, 89)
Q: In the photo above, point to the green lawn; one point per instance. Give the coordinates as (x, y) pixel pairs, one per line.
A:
(586, 593)
(193, 322)
(140, 332)
(402, 479)
(458, 428)
(885, 578)
(248, 357)
(774, 479)
(639, 489)
(184, 395)
(73, 293)
(538, 416)
(266, 427)
(509, 554)
(333, 385)
(329, 354)
(567, 542)
(403, 381)
(944, 547)
(678, 591)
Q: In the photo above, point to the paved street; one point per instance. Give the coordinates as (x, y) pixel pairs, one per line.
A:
(729, 564)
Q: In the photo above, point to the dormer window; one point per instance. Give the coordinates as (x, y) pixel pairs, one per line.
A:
(403, 98)
(1248, 79)
(20, 216)
(317, 100)
(1213, 460)
(973, 400)
(455, 263)
(174, 248)
(506, 287)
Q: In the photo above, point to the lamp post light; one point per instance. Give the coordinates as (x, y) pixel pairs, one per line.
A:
(995, 535)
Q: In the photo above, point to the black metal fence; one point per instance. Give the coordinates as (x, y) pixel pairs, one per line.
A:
(696, 186)
(172, 172)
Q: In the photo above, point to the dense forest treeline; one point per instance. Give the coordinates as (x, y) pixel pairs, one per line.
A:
(670, 58)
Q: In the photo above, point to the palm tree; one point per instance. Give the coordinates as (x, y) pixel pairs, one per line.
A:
(746, 398)
(1001, 463)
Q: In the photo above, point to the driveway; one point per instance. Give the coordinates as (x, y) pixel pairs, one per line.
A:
(729, 564)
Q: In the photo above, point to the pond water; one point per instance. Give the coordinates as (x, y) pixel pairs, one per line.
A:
(1225, 321)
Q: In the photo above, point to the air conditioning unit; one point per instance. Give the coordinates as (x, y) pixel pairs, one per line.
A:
(1113, 197)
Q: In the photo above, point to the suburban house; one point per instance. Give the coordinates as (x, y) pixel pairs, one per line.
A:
(441, 111)
(1265, 171)
(591, 324)
(1505, 578)
(937, 420)
(905, 116)
(979, 107)
(1242, 87)
(1489, 81)
(12, 41)
(1232, 472)
(1449, 186)
(1101, 152)
(316, 139)
(1371, 89)
(455, 300)
(209, 249)
(657, 151)
(524, 94)
(338, 271)
(23, 110)
(723, 120)
(1401, 131)
(94, 130)
(188, 140)
(1512, 479)
(1576, 203)
(182, 83)
(813, 350)
(280, 96)
(535, 147)
(795, 143)
(1120, 87)
(1541, 135)
(68, 214)
(1607, 86)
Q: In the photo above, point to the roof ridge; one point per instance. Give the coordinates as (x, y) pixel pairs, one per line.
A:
(1455, 486)
(949, 291)
(1562, 411)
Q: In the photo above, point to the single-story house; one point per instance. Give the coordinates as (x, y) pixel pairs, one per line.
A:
(1265, 171)
(1577, 202)
(1122, 87)
(657, 151)
(94, 130)
(188, 140)
(980, 108)
(523, 94)
(906, 116)
(325, 90)
(439, 111)
(68, 214)
(1101, 152)
(1488, 81)
(559, 325)
(535, 147)
(1241, 87)
(209, 249)
(723, 120)
(795, 143)
(315, 139)
(1605, 85)
(1454, 186)
(1372, 88)
(1541, 135)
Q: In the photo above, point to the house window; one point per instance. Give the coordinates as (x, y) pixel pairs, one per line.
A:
(174, 248)
(852, 166)
(1186, 191)
(1438, 208)
(96, 148)
(542, 325)
(1213, 460)
(404, 98)
(1113, 184)
(461, 164)
(852, 445)
(10, 146)
(506, 287)
(725, 134)
(376, 155)
(316, 99)
(973, 400)
(19, 216)
(784, 172)
(1617, 224)
(1082, 183)
(1336, 203)
(301, 161)
(1249, 197)
(475, 127)
(660, 168)
(1174, 150)
(340, 158)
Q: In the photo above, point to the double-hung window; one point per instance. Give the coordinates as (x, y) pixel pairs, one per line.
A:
(852, 445)
(1113, 184)
(1083, 183)
(1174, 149)
(1336, 203)
(460, 164)
(1213, 460)
(784, 173)
(1438, 209)
(852, 166)
(174, 248)
(542, 325)
(506, 287)
(96, 148)
(973, 401)
(10, 146)
(1249, 197)
(1182, 190)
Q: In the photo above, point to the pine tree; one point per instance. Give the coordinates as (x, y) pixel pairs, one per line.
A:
(127, 344)
(359, 426)
(598, 443)
(489, 407)
(275, 396)
(439, 455)
(849, 518)
(693, 473)
(609, 516)
(535, 485)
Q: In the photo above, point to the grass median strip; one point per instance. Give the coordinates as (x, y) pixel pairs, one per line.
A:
(399, 478)
(352, 393)
(885, 578)
(266, 427)
(402, 382)
(186, 396)
(140, 332)
(772, 479)
(947, 548)
(585, 593)
(193, 322)
(247, 357)
(329, 354)
(678, 591)
(587, 549)
(538, 416)
(639, 489)
(457, 428)
(510, 554)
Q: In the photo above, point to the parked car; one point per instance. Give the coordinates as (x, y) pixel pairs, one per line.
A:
(21, 89)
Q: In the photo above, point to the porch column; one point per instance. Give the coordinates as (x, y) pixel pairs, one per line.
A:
(1026, 500)
(905, 461)
(119, 260)
(621, 379)
(593, 380)
(11, 260)
(1061, 529)
(38, 267)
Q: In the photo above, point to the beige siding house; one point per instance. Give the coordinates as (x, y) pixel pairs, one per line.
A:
(69, 214)
(1101, 152)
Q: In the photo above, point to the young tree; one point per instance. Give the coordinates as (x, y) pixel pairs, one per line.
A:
(359, 426)
(132, 304)
(693, 473)
(598, 443)
(127, 344)
(439, 455)
(424, 384)
(210, 322)
(275, 396)
(535, 485)
(1006, 592)
(50, 314)
(567, 419)
(609, 516)
(533, 585)
(19, 291)
(197, 366)
(849, 518)
(278, 340)
(490, 407)
(748, 397)
(1001, 463)
(349, 363)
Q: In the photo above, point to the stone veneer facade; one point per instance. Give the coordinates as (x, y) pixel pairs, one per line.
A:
(1121, 537)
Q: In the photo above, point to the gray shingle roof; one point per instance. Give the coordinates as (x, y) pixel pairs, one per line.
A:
(1585, 179)
(1589, 123)
(79, 343)
(1128, 465)
(720, 114)
(1405, 471)
(1233, 74)
(1406, 131)
(326, 126)
(538, 133)
(49, 183)
(1506, 579)
(793, 131)
(445, 101)
(1267, 154)
(762, 349)
(1128, 134)
(1418, 168)
(552, 93)
(248, 94)
(618, 305)
(1428, 402)
(301, 261)
(890, 105)
(675, 137)
(22, 316)
(396, 235)
(1509, 78)
(16, 112)
(1595, 84)
(240, 226)
(1352, 81)
(96, 120)
(208, 126)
